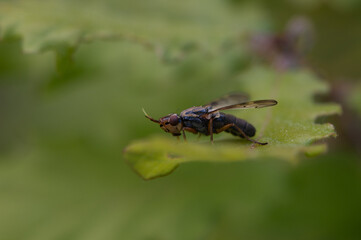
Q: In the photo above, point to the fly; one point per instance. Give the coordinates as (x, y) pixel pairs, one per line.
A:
(208, 119)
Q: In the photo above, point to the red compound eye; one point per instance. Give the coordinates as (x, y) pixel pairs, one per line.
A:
(174, 120)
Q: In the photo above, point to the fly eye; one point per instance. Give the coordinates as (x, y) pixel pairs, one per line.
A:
(173, 120)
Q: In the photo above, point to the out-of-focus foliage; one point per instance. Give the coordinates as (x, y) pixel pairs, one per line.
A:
(337, 25)
(166, 27)
(64, 196)
(68, 109)
(288, 127)
(354, 98)
(336, 4)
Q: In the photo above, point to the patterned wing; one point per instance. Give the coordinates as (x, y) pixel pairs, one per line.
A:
(251, 104)
(230, 99)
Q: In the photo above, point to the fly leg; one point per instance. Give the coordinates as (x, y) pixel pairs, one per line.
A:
(224, 128)
(210, 129)
(184, 135)
(192, 130)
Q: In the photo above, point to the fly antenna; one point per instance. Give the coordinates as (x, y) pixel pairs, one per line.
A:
(150, 118)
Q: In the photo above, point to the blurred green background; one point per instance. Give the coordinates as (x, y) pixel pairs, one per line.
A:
(75, 75)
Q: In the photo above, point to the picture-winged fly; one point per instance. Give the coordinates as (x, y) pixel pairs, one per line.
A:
(208, 119)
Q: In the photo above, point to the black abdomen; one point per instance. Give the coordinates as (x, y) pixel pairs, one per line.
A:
(246, 127)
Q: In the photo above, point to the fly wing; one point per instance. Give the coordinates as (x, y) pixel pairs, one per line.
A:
(251, 104)
(230, 99)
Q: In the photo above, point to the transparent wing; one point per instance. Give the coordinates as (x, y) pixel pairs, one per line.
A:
(230, 99)
(251, 104)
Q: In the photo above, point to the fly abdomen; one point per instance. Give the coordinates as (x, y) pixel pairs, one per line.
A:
(246, 127)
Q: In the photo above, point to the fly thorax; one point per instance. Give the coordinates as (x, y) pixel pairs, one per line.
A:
(213, 115)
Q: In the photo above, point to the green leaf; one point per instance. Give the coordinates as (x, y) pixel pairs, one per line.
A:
(63, 176)
(157, 25)
(289, 127)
